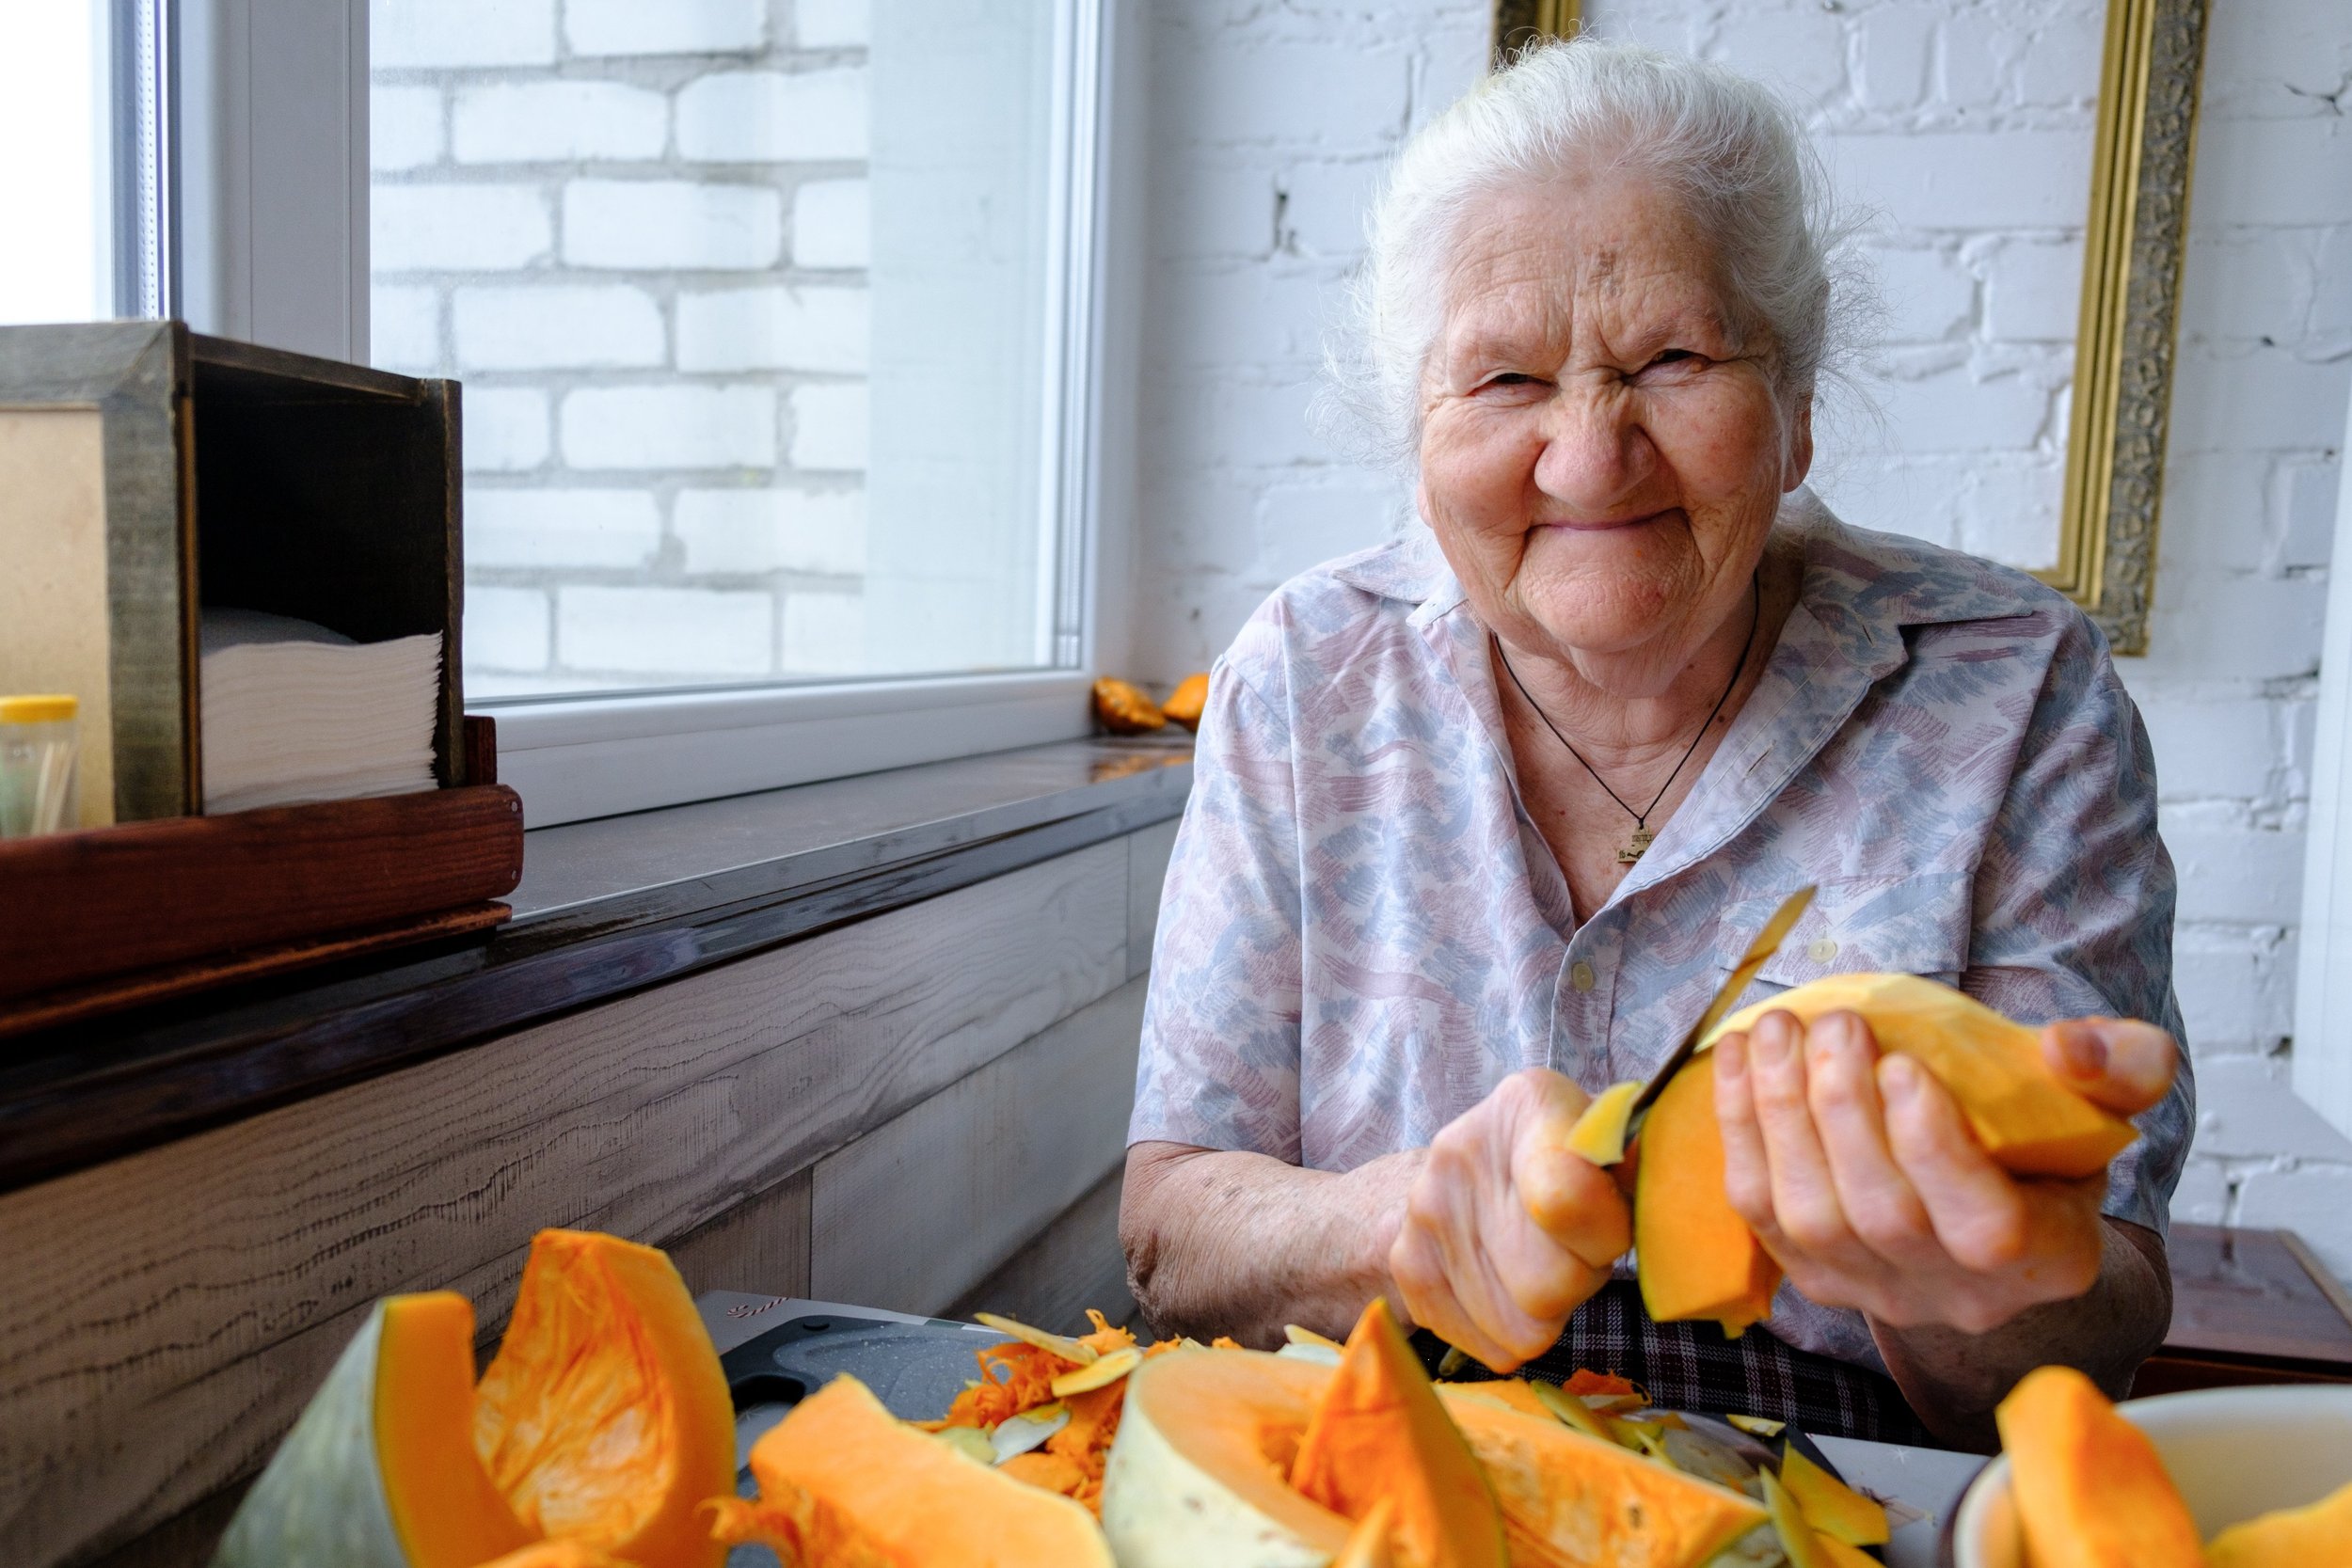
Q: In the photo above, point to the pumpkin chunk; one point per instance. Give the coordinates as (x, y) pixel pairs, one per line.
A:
(2091, 1491)
(1830, 1506)
(604, 1416)
(2316, 1536)
(1696, 1258)
(843, 1483)
(1185, 704)
(1380, 1431)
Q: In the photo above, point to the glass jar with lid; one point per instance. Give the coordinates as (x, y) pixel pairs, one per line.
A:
(38, 742)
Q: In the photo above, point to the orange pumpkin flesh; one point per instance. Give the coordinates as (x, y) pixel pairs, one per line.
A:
(1698, 1259)
(1185, 705)
(1378, 1431)
(2090, 1490)
(1368, 1543)
(604, 1416)
(443, 1506)
(1510, 1393)
(1568, 1499)
(843, 1483)
(2315, 1536)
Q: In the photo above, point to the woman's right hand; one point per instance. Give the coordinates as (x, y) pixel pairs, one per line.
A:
(1504, 1232)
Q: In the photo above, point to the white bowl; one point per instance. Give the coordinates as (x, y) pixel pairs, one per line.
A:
(2234, 1454)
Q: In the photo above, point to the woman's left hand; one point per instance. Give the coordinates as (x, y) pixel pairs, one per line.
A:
(1860, 1176)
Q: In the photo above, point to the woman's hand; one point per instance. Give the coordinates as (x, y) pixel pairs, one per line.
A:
(1504, 1232)
(1860, 1176)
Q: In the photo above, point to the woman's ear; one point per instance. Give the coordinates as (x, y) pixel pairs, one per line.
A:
(1799, 461)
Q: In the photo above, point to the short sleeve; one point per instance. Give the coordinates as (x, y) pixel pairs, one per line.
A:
(2074, 898)
(1220, 1062)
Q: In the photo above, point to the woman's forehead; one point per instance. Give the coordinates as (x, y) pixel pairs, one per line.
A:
(1536, 260)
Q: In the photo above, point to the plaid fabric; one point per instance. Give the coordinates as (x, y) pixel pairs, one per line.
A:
(1693, 1366)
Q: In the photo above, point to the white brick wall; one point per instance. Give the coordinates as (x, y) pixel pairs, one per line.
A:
(1965, 123)
(582, 208)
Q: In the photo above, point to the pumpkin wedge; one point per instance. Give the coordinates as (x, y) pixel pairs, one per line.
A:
(2090, 1489)
(843, 1483)
(604, 1416)
(2316, 1536)
(1829, 1505)
(1569, 1500)
(379, 1472)
(1379, 1431)
(1696, 1258)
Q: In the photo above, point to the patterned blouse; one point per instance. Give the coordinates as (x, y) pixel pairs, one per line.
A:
(1362, 932)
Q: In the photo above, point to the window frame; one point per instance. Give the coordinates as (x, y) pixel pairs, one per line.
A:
(273, 246)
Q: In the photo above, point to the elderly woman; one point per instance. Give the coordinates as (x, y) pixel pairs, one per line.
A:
(1482, 818)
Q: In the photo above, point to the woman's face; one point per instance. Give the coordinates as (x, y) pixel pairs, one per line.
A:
(1601, 453)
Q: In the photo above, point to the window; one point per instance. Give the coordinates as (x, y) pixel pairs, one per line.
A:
(763, 317)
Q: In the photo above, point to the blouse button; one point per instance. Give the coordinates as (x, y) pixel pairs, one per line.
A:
(1822, 951)
(1581, 975)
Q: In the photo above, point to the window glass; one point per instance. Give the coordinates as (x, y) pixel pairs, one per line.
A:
(755, 308)
(55, 102)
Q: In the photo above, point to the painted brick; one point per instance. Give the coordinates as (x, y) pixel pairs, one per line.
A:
(457, 228)
(2231, 873)
(1928, 295)
(1224, 210)
(2217, 748)
(670, 427)
(549, 326)
(832, 225)
(1304, 525)
(561, 527)
(1977, 59)
(1895, 44)
(2272, 171)
(1257, 315)
(1329, 203)
(434, 34)
(2332, 295)
(521, 122)
(666, 27)
(506, 628)
(404, 328)
(2308, 489)
(2262, 399)
(670, 631)
(671, 223)
(403, 127)
(506, 430)
(2008, 509)
(2245, 287)
(2214, 513)
(2248, 1110)
(1254, 423)
(766, 116)
(829, 425)
(2203, 1196)
(2221, 628)
(2060, 66)
(824, 634)
(773, 328)
(832, 24)
(2031, 289)
(2312, 1200)
(2235, 1000)
(1242, 89)
(1966, 180)
(1956, 412)
(1803, 52)
(772, 531)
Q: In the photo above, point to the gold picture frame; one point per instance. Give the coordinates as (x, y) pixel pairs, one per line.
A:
(2135, 231)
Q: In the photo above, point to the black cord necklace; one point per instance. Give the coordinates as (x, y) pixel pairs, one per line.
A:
(1643, 837)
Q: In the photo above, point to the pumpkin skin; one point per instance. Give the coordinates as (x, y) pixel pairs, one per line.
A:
(844, 1484)
(604, 1416)
(1829, 1505)
(379, 1472)
(2318, 1536)
(2091, 1492)
(1378, 1431)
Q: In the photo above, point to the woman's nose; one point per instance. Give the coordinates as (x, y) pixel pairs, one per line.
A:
(1595, 454)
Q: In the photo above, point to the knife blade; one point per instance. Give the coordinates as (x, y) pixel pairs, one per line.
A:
(1760, 953)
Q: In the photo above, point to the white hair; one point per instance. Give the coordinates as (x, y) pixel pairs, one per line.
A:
(1723, 146)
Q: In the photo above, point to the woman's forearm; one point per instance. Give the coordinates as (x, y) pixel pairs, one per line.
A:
(1225, 1242)
(1954, 1380)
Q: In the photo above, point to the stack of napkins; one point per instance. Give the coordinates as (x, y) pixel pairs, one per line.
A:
(295, 713)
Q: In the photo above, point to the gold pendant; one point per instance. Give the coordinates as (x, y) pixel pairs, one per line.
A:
(1641, 840)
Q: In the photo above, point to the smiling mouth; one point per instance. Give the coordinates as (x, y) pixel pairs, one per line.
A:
(1609, 525)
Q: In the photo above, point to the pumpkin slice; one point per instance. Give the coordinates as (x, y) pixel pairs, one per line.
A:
(1757, 1426)
(1380, 1431)
(1830, 1506)
(1836, 1554)
(1599, 1132)
(1789, 1522)
(604, 1416)
(379, 1472)
(2318, 1536)
(1569, 1500)
(843, 1481)
(1695, 1258)
(1510, 1393)
(2023, 1114)
(1097, 1374)
(1054, 1344)
(2091, 1491)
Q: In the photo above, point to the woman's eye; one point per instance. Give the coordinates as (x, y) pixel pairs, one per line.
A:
(1511, 379)
(1671, 356)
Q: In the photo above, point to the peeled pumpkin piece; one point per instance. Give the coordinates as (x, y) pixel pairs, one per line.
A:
(1569, 1500)
(843, 1483)
(604, 1416)
(2316, 1536)
(1796, 1535)
(1696, 1258)
(1379, 1431)
(2023, 1114)
(1510, 1393)
(2090, 1490)
(1123, 710)
(1185, 704)
(1831, 1506)
(379, 1472)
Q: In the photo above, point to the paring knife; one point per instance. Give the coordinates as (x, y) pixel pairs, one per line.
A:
(1601, 1133)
